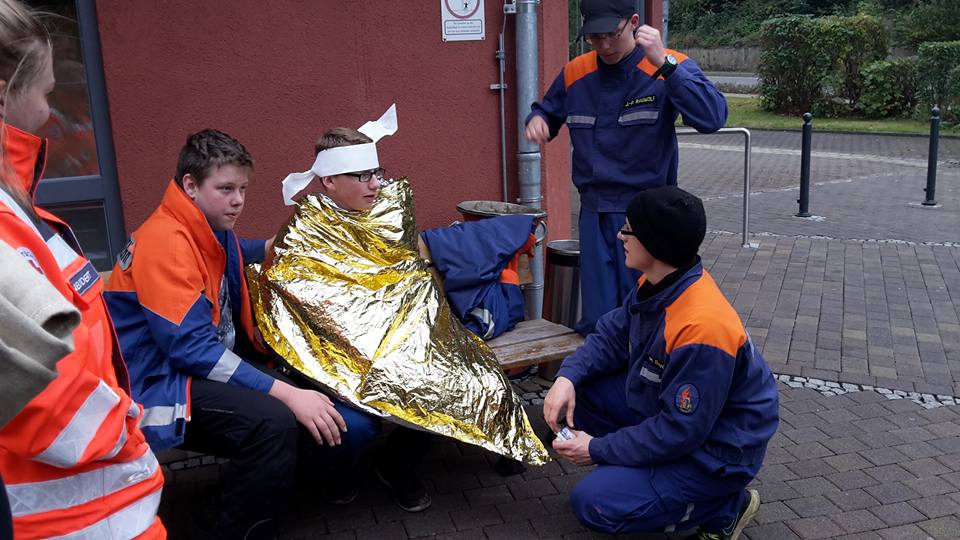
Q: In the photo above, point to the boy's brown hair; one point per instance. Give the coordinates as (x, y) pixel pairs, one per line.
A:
(206, 150)
(338, 137)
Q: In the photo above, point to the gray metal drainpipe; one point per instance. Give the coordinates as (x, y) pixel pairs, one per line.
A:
(528, 153)
(666, 22)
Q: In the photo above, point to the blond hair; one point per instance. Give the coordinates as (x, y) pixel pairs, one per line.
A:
(24, 45)
(24, 49)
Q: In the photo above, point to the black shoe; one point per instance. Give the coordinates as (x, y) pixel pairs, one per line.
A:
(408, 492)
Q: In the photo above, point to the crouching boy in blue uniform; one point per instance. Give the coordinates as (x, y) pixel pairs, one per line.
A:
(668, 397)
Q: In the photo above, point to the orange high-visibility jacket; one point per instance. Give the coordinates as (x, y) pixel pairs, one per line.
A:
(74, 460)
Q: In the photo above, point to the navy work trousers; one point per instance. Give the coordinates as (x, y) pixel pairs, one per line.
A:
(264, 443)
(666, 497)
(602, 266)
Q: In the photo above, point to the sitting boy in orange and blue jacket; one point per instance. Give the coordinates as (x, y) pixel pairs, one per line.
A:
(675, 404)
(183, 317)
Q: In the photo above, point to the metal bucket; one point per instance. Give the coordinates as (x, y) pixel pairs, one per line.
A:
(475, 210)
(562, 290)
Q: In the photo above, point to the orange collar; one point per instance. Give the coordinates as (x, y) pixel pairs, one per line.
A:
(24, 152)
(176, 203)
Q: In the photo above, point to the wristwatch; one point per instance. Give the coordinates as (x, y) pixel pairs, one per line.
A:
(668, 67)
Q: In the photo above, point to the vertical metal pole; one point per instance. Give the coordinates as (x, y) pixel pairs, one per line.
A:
(931, 188)
(746, 188)
(804, 199)
(502, 58)
(666, 21)
(528, 153)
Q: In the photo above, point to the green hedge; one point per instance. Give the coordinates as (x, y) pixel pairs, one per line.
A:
(938, 66)
(851, 43)
(792, 67)
(890, 88)
(801, 57)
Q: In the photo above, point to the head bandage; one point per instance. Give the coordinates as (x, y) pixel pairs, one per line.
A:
(344, 159)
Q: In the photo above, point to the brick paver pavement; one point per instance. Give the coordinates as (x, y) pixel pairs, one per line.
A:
(868, 292)
(857, 465)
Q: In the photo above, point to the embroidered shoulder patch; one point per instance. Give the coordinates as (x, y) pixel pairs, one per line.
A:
(125, 257)
(639, 101)
(687, 399)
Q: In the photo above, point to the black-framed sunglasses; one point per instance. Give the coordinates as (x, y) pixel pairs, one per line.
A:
(625, 232)
(367, 176)
(609, 35)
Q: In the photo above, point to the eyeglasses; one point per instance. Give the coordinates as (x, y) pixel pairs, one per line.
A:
(366, 177)
(609, 35)
(625, 232)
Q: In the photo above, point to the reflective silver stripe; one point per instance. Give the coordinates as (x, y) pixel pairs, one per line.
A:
(162, 415)
(37, 497)
(689, 513)
(580, 119)
(6, 199)
(639, 115)
(68, 447)
(132, 412)
(61, 251)
(686, 517)
(226, 365)
(128, 522)
(486, 319)
(649, 375)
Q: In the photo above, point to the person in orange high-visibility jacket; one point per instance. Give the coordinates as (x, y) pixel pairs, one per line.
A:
(74, 461)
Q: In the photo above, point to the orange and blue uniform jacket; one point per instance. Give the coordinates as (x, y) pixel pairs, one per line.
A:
(164, 296)
(621, 122)
(477, 260)
(695, 382)
(73, 459)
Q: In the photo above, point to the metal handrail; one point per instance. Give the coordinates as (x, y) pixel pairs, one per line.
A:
(746, 172)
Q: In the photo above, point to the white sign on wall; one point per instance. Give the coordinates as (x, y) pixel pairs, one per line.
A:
(462, 20)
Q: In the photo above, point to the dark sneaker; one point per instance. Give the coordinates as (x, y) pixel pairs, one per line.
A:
(408, 492)
(733, 531)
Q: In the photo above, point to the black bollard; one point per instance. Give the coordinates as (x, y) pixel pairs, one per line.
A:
(931, 188)
(804, 199)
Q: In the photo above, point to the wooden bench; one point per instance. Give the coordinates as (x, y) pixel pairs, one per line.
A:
(535, 342)
(530, 342)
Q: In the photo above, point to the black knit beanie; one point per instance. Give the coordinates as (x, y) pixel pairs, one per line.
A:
(669, 222)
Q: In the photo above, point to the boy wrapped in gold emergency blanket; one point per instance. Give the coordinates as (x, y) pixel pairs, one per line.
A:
(347, 301)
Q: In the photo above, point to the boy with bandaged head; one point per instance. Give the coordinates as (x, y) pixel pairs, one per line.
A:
(348, 173)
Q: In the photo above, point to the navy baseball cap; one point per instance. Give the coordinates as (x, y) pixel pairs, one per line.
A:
(602, 16)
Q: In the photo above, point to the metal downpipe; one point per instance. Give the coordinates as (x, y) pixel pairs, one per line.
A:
(528, 153)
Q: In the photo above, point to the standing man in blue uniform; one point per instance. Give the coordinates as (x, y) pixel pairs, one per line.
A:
(668, 397)
(620, 102)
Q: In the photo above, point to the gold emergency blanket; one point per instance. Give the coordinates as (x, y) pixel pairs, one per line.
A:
(348, 302)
